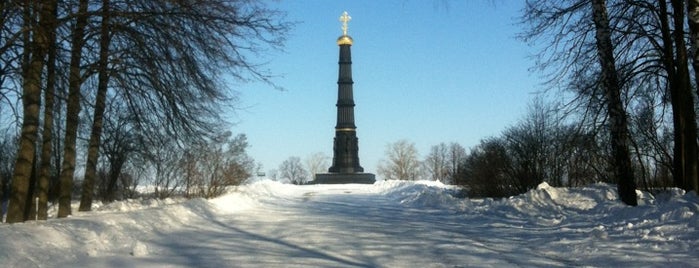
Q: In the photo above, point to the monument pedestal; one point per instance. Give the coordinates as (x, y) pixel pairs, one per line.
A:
(344, 178)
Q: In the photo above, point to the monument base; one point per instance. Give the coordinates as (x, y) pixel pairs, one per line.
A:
(344, 178)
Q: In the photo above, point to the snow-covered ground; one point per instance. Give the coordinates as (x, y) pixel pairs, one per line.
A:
(388, 224)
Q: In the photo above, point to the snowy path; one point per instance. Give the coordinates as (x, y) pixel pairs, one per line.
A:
(335, 226)
(349, 226)
(390, 225)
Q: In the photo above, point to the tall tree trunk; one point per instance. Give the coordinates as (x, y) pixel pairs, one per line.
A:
(619, 135)
(103, 81)
(57, 137)
(31, 97)
(45, 169)
(687, 98)
(677, 116)
(29, 208)
(116, 165)
(693, 19)
(28, 19)
(72, 112)
(681, 97)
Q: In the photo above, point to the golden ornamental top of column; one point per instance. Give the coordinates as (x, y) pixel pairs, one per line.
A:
(344, 39)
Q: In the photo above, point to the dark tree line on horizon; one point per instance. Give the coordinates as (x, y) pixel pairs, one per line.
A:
(110, 82)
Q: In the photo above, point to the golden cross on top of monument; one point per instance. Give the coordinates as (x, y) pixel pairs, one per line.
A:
(345, 18)
(344, 39)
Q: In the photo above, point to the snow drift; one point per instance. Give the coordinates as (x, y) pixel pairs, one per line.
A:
(388, 224)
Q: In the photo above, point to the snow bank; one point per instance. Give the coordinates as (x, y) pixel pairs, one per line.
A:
(267, 223)
(90, 234)
(550, 206)
(135, 204)
(424, 194)
(239, 199)
(547, 205)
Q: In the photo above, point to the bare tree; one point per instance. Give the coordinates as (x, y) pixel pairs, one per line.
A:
(693, 19)
(221, 163)
(402, 162)
(165, 62)
(166, 170)
(118, 147)
(527, 149)
(483, 172)
(437, 163)
(197, 41)
(171, 86)
(43, 181)
(650, 50)
(607, 61)
(174, 79)
(88, 186)
(457, 154)
(683, 110)
(293, 171)
(620, 140)
(73, 111)
(31, 96)
(15, 36)
(273, 174)
(8, 152)
(317, 163)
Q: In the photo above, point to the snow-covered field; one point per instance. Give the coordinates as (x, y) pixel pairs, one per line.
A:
(388, 224)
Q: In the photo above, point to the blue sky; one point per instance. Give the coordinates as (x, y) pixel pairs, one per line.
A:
(424, 71)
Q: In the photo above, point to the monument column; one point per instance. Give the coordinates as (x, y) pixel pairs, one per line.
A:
(345, 167)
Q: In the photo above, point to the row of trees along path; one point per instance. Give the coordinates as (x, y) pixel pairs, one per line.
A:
(612, 54)
(157, 64)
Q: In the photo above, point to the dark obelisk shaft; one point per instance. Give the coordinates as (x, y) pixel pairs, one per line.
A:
(345, 168)
(345, 149)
